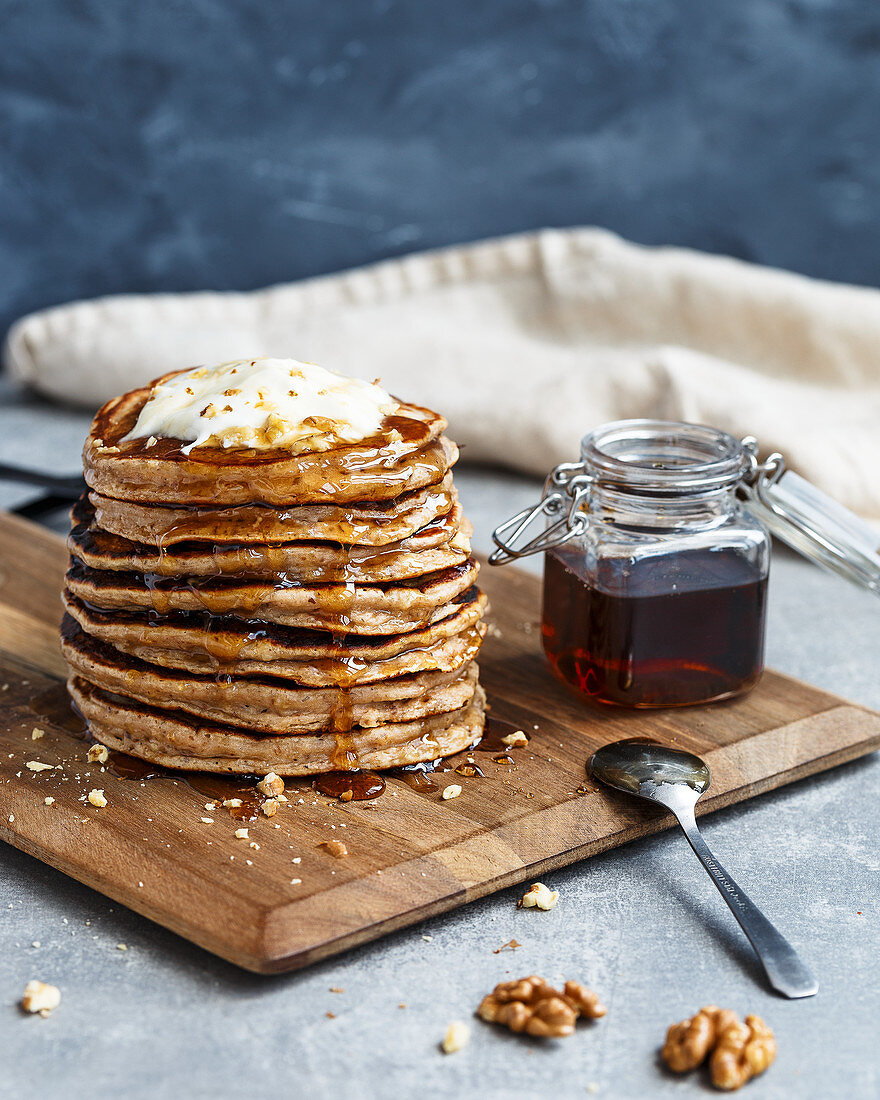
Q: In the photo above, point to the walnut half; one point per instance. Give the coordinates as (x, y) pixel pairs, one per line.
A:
(533, 1006)
(737, 1052)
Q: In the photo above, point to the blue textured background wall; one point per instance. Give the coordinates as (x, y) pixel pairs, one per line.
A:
(230, 144)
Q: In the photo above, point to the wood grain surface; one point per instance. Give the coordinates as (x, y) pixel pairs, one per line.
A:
(411, 854)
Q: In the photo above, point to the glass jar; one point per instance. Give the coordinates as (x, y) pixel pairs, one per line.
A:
(660, 600)
(657, 558)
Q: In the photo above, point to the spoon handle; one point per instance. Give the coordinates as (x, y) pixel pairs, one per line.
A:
(786, 971)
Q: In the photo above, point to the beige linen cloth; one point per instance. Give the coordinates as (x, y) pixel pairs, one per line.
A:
(526, 343)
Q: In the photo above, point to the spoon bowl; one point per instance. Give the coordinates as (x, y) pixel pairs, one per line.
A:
(629, 765)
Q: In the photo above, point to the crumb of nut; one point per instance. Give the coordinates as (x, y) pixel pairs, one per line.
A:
(281, 798)
(41, 998)
(538, 896)
(122, 947)
(36, 732)
(98, 754)
(336, 989)
(330, 1015)
(151, 442)
(97, 799)
(38, 766)
(456, 1037)
(48, 800)
(742, 1052)
(241, 834)
(335, 848)
(207, 820)
(346, 796)
(231, 803)
(295, 881)
(533, 1006)
(209, 806)
(270, 807)
(271, 785)
(254, 845)
(690, 1041)
(514, 739)
(452, 791)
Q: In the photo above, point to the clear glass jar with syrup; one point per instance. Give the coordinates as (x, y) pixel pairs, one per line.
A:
(657, 556)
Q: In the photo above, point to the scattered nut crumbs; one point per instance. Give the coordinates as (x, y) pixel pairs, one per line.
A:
(456, 1037)
(122, 947)
(207, 820)
(270, 807)
(211, 806)
(36, 733)
(452, 791)
(514, 739)
(231, 803)
(295, 881)
(241, 834)
(511, 945)
(271, 785)
(98, 754)
(96, 797)
(48, 800)
(41, 998)
(255, 846)
(38, 766)
(335, 848)
(538, 896)
(336, 989)
(737, 1051)
(533, 1006)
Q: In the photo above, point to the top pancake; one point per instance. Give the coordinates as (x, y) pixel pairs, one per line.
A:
(407, 453)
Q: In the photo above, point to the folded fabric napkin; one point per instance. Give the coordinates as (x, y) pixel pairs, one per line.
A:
(527, 342)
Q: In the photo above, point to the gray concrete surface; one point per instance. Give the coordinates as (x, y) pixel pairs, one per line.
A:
(642, 924)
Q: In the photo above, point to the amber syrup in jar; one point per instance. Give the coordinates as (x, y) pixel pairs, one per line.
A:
(678, 630)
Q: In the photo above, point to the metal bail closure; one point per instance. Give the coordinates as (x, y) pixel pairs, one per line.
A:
(566, 490)
(809, 521)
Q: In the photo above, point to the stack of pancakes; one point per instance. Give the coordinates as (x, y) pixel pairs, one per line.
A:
(253, 610)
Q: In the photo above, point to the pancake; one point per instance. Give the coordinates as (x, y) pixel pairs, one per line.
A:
(407, 452)
(444, 543)
(176, 740)
(352, 608)
(311, 658)
(364, 522)
(266, 703)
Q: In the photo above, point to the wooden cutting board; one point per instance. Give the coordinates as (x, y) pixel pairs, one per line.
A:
(411, 855)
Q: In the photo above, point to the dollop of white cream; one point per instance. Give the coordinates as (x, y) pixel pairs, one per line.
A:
(263, 404)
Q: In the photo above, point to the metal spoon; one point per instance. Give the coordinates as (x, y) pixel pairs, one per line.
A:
(676, 779)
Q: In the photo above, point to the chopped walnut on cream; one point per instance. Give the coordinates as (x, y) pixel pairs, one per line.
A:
(271, 785)
(40, 998)
(98, 754)
(538, 896)
(97, 799)
(456, 1037)
(533, 1006)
